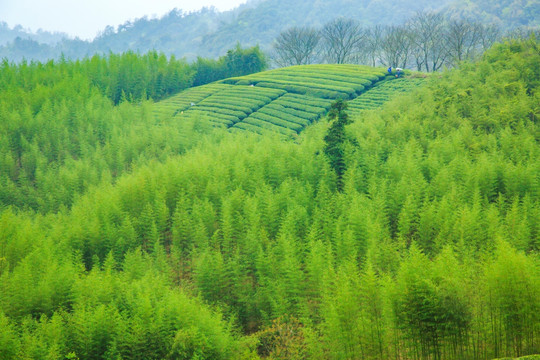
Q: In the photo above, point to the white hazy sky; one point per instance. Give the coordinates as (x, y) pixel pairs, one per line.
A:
(84, 18)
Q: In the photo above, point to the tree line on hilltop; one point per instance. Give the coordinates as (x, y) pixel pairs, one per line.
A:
(427, 42)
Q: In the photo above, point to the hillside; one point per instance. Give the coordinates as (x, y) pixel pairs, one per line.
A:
(283, 101)
(8, 35)
(129, 233)
(262, 23)
(506, 13)
(209, 33)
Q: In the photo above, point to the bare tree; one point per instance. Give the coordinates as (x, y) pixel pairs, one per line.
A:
(395, 49)
(427, 35)
(296, 46)
(342, 38)
(428, 40)
(416, 52)
(372, 44)
(523, 33)
(462, 39)
(489, 34)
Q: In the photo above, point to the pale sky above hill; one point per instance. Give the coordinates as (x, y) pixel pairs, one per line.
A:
(85, 18)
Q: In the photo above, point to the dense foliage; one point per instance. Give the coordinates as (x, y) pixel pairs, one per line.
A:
(61, 132)
(236, 62)
(242, 247)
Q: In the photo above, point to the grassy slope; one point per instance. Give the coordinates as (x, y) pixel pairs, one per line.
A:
(284, 100)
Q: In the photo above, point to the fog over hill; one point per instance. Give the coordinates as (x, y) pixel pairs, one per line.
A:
(8, 34)
(210, 33)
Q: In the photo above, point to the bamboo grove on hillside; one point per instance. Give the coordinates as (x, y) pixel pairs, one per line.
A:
(123, 237)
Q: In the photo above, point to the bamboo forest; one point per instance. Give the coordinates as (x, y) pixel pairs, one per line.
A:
(152, 208)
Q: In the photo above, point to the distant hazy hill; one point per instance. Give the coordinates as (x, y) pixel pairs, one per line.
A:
(8, 34)
(506, 13)
(262, 23)
(209, 33)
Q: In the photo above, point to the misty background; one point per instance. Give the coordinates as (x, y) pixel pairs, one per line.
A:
(188, 31)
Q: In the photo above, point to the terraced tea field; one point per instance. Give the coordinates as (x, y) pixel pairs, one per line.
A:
(383, 92)
(180, 102)
(281, 101)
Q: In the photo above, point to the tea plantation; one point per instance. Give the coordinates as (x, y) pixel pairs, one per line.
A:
(382, 92)
(285, 100)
